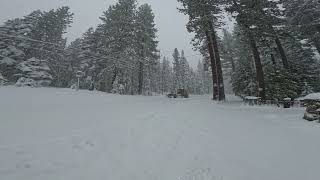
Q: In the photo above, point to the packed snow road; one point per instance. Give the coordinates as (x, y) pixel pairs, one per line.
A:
(60, 134)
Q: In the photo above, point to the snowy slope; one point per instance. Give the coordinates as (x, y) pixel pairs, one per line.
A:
(60, 134)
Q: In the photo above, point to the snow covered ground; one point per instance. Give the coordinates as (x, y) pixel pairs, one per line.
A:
(61, 134)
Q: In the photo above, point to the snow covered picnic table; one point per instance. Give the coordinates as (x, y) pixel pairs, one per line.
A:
(61, 134)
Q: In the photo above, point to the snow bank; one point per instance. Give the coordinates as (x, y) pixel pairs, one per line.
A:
(50, 134)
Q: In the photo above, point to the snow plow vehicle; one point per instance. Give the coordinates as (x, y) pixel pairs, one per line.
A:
(182, 93)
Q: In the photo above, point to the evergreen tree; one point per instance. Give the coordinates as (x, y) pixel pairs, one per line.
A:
(203, 21)
(146, 43)
(228, 50)
(34, 72)
(118, 28)
(13, 46)
(303, 16)
(246, 12)
(184, 71)
(176, 69)
(50, 29)
(166, 76)
(243, 79)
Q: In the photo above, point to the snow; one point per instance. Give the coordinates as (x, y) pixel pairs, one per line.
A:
(50, 134)
(251, 98)
(7, 61)
(312, 96)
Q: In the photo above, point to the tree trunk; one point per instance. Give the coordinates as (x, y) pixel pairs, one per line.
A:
(318, 28)
(140, 91)
(282, 52)
(317, 45)
(258, 64)
(233, 65)
(273, 60)
(213, 66)
(115, 74)
(220, 83)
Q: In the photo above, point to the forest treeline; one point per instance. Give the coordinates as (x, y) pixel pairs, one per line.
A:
(120, 55)
(272, 52)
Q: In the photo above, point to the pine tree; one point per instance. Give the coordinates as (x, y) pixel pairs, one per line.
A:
(303, 16)
(176, 69)
(88, 58)
(146, 42)
(50, 28)
(228, 52)
(281, 83)
(246, 20)
(202, 21)
(73, 62)
(13, 45)
(184, 71)
(243, 79)
(119, 30)
(34, 72)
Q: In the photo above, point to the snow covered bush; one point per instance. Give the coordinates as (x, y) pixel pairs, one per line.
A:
(117, 87)
(26, 82)
(312, 102)
(8, 68)
(34, 72)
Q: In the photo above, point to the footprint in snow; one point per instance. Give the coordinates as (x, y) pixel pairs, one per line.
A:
(27, 166)
(83, 145)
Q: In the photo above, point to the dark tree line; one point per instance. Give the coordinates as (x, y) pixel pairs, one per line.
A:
(273, 51)
(120, 55)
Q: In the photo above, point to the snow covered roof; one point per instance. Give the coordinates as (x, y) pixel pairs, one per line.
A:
(313, 96)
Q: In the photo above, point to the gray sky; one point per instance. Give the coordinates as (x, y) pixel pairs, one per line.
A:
(170, 23)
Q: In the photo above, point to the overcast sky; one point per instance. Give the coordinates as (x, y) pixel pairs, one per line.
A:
(170, 23)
